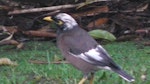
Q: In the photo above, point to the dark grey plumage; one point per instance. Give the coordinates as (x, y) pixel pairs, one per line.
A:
(82, 51)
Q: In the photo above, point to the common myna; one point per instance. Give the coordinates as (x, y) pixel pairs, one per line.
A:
(81, 50)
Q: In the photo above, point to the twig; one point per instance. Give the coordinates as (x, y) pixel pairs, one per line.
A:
(60, 62)
(39, 33)
(45, 62)
(50, 8)
(40, 9)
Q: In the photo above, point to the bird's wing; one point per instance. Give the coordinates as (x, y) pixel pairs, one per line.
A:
(81, 45)
(97, 56)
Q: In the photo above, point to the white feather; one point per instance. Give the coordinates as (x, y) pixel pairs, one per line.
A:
(127, 79)
(69, 22)
(91, 54)
(105, 67)
(85, 57)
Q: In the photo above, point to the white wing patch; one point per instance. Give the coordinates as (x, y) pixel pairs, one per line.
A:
(83, 56)
(106, 67)
(91, 54)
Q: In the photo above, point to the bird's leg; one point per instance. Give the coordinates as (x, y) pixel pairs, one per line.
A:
(91, 78)
(83, 80)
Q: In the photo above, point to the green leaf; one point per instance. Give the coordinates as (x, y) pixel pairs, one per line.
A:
(102, 34)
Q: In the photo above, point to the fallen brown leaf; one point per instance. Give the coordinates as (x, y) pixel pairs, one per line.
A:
(20, 45)
(92, 12)
(9, 29)
(7, 61)
(97, 22)
(143, 77)
(9, 42)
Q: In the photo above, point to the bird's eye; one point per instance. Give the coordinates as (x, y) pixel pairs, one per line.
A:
(58, 21)
(55, 19)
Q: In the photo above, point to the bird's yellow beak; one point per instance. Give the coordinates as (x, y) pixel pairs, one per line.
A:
(49, 19)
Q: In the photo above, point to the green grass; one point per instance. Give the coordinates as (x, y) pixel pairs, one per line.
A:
(131, 57)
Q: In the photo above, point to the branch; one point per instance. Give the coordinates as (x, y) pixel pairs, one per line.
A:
(39, 33)
(33, 10)
(45, 62)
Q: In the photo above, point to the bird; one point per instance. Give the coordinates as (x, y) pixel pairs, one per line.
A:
(81, 50)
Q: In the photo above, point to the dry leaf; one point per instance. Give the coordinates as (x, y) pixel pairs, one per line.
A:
(143, 8)
(143, 77)
(20, 45)
(146, 31)
(9, 42)
(9, 29)
(7, 61)
(144, 74)
(8, 38)
(97, 22)
(88, 2)
(92, 12)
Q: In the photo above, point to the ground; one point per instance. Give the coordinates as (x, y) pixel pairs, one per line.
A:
(132, 57)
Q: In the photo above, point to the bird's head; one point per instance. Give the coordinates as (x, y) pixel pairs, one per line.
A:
(65, 21)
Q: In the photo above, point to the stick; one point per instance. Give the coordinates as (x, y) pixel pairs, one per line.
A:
(45, 62)
(39, 33)
(33, 10)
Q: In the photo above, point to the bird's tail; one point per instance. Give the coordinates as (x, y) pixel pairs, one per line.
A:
(124, 75)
